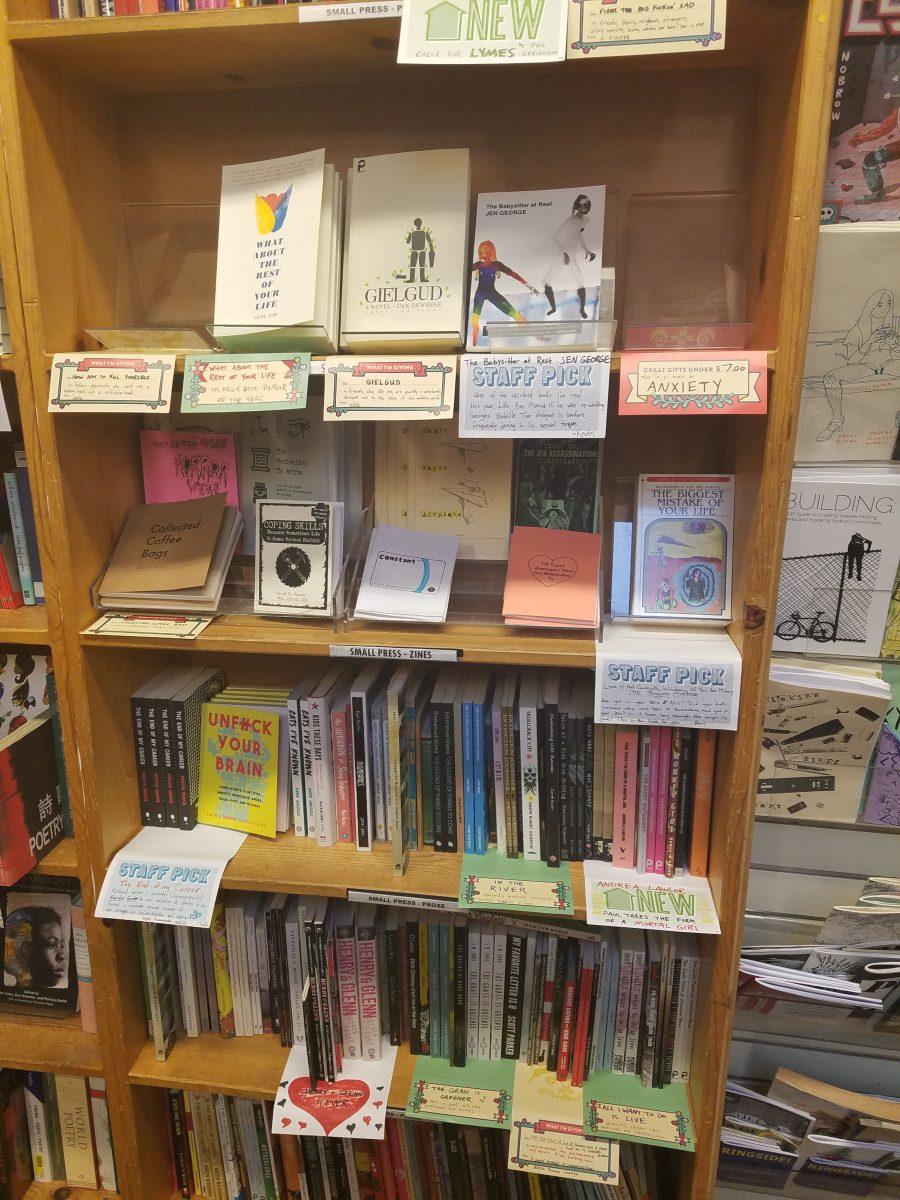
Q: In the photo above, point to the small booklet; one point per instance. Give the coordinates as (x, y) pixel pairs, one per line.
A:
(407, 576)
(182, 464)
(298, 552)
(553, 578)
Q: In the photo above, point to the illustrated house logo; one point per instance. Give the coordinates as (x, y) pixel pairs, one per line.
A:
(619, 899)
(443, 22)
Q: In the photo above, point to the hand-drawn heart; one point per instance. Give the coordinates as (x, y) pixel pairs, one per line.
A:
(351, 1125)
(328, 1103)
(281, 1103)
(551, 571)
(378, 1104)
(377, 1126)
(301, 1124)
(285, 1121)
(380, 1088)
(367, 1120)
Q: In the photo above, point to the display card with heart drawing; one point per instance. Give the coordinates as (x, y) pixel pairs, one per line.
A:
(354, 1106)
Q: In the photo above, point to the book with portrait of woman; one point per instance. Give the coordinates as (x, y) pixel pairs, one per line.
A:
(38, 955)
(850, 402)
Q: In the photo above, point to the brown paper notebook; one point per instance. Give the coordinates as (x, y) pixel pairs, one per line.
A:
(165, 546)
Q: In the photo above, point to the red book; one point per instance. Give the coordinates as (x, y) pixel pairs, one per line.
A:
(625, 796)
(567, 1026)
(378, 1188)
(648, 819)
(547, 1007)
(703, 790)
(583, 1008)
(385, 1170)
(427, 1173)
(30, 820)
(395, 1151)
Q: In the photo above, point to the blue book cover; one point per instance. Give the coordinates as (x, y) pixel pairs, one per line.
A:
(478, 782)
(610, 987)
(468, 785)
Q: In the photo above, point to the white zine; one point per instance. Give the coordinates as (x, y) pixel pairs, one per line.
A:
(97, 382)
(168, 876)
(267, 258)
(469, 31)
(533, 395)
(296, 548)
(407, 575)
(354, 1106)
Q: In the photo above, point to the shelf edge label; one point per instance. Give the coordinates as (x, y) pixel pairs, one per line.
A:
(395, 653)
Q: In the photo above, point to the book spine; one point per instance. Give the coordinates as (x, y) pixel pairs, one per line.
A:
(498, 989)
(512, 999)
(650, 1019)
(671, 1021)
(468, 779)
(485, 992)
(38, 1135)
(103, 1149)
(663, 768)
(499, 782)
(704, 766)
(459, 1031)
(635, 1009)
(343, 784)
(548, 997)
(75, 1123)
(26, 505)
(622, 1008)
(672, 807)
(609, 788)
(224, 996)
(530, 783)
(582, 1016)
(180, 751)
(625, 802)
(391, 936)
(365, 817)
(306, 761)
(187, 981)
(152, 709)
(142, 761)
(322, 772)
(567, 1024)
(20, 542)
(685, 1015)
(565, 793)
(298, 793)
(646, 813)
(448, 783)
(264, 1146)
(685, 791)
(83, 970)
(473, 987)
(482, 831)
(253, 971)
(511, 762)
(396, 829)
(54, 1129)
(349, 997)
(551, 781)
(590, 844)
(556, 1018)
(367, 974)
(297, 979)
(181, 1163)
(229, 1149)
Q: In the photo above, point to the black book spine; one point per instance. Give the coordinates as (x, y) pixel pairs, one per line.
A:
(552, 777)
(392, 954)
(448, 772)
(489, 1164)
(180, 782)
(576, 786)
(588, 809)
(179, 1158)
(454, 1160)
(559, 988)
(596, 980)
(542, 770)
(284, 992)
(358, 715)
(412, 987)
(142, 761)
(565, 815)
(312, 1167)
(167, 756)
(274, 997)
(460, 966)
(517, 782)
(437, 777)
(321, 980)
(154, 760)
(685, 793)
(512, 995)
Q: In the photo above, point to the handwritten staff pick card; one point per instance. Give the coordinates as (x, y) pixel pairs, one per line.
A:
(493, 881)
(692, 382)
(613, 28)
(480, 1093)
(354, 1106)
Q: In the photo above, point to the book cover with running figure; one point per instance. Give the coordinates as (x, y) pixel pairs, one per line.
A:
(683, 527)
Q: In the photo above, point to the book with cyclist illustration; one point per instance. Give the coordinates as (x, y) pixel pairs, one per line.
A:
(536, 257)
(841, 548)
(683, 530)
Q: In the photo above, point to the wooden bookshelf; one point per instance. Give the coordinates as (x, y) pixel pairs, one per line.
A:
(103, 113)
(36, 1043)
(62, 1191)
(62, 860)
(26, 626)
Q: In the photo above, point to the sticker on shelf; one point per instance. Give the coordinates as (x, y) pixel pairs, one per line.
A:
(470, 31)
(480, 1093)
(533, 395)
(149, 625)
(621, 1106)
(168, 876)
(244, 383)
(402, 900)
(348, 10)
(389, 389)
(353, 1106)
(395, 653)
(616, 28)
(692, 383)
(627, 899)
(96, 382)
(493, 881)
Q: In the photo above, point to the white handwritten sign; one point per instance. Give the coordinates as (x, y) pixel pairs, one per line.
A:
(168, 876)
(471, 31)
(692, 382)
(215, 383)
(620, 897)
(612, 28)
(142, 625)
(382, 389)
(692, 681)
(98, 382)
(533, 395)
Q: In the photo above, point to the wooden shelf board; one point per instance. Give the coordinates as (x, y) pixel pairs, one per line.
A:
(241, 1066)
(25, 626)
(62, 860)
(268, 46)
(248, 634)
(30, 1042)
(297, 864)
(62, 1191)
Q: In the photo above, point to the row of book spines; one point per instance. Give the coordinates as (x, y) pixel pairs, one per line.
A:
(25, 584)
(221, 1149)
(662, 798)
(65, 9)
(68, 1130)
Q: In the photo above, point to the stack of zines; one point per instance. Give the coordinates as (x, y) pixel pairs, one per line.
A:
(172, 557)
(221, 1146)
(456, 987)
(54, 1129)
(454, 759)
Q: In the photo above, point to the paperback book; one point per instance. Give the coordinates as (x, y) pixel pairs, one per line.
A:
(31, 822)
(553, 579)
(39, 969)
(537, 258)
(557, 484)
(298, 557)
(841, 549)
(683, 547)
(407, 576)
(239, 768)
(404, 257)
(184, 465)
(883, 795)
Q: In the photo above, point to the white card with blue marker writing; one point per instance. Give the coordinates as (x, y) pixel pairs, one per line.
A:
(534, 395)
(168, 876)
(354, 1106)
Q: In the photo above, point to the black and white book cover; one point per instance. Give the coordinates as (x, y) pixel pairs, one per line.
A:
(841, 548)
(298, 549)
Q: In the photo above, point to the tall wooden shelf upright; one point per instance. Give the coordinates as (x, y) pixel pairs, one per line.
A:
(98, 114)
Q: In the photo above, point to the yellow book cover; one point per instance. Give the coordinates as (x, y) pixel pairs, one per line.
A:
(75, 1125)
(224, 998)
(890, 647)
(239, 768)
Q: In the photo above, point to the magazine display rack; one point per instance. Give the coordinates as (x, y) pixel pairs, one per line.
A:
(101, 115)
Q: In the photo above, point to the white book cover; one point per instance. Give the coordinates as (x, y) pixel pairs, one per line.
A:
(405, 247)
(683, 547)
(850, 400)
(841, 547)
(268, 252)
(536, 257)
(486, 992)
(473, 987)
(407, 575)
(298, 554)
(529, 695)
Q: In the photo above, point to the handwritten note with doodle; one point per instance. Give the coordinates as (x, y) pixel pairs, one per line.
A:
(533, 395)
(98, 382)
(168, 876)
(620, 897)
(493, 881)
(688, 383)
(244, 382)
(368, 389)
(478, 1094)
(353, 1106)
